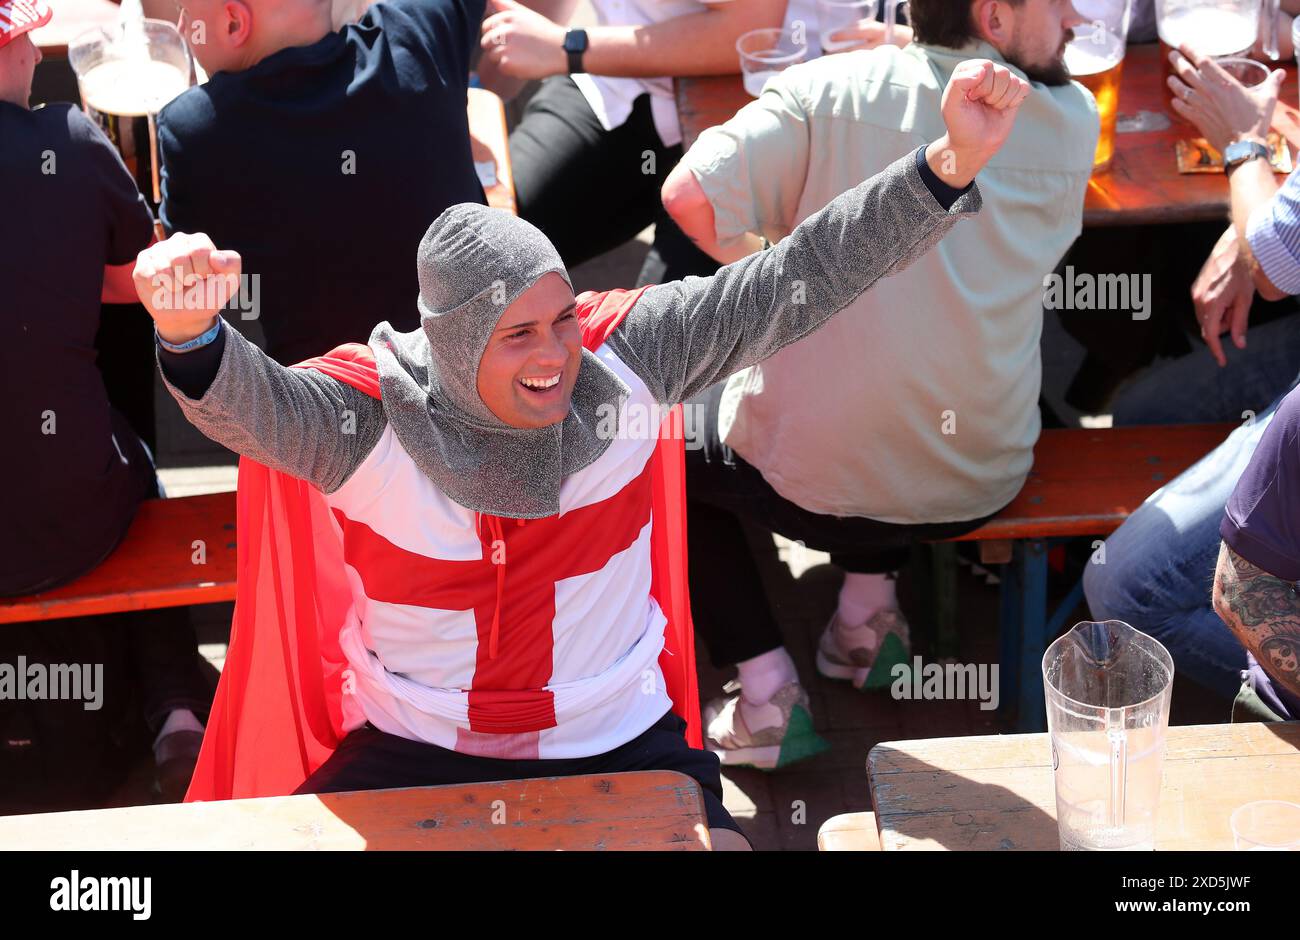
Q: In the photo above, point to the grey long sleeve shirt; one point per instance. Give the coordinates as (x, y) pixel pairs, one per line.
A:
(679, 338)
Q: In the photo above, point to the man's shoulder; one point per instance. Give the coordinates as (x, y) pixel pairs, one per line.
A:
(429, 22)
(64, 121)
(1075, 103)
(67, 132)
(1287, 417)
(864, 73)
(194, 111)
(1056, 130)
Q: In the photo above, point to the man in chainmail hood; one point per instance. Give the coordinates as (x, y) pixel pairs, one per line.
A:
(488, 497)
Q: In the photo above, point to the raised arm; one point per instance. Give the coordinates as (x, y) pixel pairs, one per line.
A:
(684, 336)
(298, 421)
(744, 178)
(1263, 612)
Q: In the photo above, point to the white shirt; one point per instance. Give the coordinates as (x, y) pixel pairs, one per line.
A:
(611, 98)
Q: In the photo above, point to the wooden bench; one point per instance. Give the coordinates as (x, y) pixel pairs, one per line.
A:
(849, 832)
(648, 810)
(1084, 482)
(177, 551)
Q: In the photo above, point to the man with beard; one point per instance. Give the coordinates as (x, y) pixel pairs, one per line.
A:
(914, 416)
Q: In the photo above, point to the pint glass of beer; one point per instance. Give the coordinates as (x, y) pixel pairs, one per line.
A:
(1096, 60)
(126, 73)
(1214, 28)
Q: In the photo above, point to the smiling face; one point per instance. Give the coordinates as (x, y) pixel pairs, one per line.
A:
(531, 360)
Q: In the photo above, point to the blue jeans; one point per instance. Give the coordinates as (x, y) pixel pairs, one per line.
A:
(1157, 571)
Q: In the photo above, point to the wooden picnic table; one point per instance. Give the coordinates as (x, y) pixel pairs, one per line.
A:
(648, 810)
(997, 791)
(1142, 186)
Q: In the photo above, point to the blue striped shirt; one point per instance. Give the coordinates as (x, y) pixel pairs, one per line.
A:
(1274, 236)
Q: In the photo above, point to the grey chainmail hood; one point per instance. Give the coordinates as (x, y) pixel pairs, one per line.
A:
(474, 262)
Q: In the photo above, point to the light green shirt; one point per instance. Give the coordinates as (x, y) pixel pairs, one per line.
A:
(919, 403)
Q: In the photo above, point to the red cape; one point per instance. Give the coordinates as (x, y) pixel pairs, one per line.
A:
(280, 710)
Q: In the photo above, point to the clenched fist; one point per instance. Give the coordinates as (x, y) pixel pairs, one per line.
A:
(184, 282)
(979, 109)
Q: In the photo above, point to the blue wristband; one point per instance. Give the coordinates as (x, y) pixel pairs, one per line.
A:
(195, 343)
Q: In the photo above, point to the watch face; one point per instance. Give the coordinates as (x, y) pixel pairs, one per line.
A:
(1241, 151)
(575, 41)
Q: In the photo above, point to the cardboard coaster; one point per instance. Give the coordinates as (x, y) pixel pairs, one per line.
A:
(1197, 156)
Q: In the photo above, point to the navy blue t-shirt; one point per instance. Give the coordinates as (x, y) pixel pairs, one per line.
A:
(68, 488)
(323, 166)
(1262, 520)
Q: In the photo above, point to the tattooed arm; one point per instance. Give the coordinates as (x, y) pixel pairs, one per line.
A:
(1263, 612)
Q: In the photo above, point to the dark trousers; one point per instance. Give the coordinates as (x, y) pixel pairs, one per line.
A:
(125, 356)
(370, 759)
(57, 755)
(728, 604)
(590, 190)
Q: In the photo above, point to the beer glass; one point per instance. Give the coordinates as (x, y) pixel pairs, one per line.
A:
(1215, 28)
(1266, 826)
(764, 53)
(1250, 73)
(1095, 59)
(1108, 689)
(126, 73)
(836, 20)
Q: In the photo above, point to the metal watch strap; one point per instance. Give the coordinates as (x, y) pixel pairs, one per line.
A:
(1243, 151)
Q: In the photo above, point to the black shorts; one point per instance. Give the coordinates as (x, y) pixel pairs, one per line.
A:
(370, 759)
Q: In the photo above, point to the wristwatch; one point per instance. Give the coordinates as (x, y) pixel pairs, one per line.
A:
(1242, 151)
(575, 44)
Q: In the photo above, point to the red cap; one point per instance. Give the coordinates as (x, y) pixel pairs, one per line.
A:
(20, 16)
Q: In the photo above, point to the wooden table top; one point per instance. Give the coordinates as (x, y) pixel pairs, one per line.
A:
(997, 791)
(1142, 186)
(650, 810)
